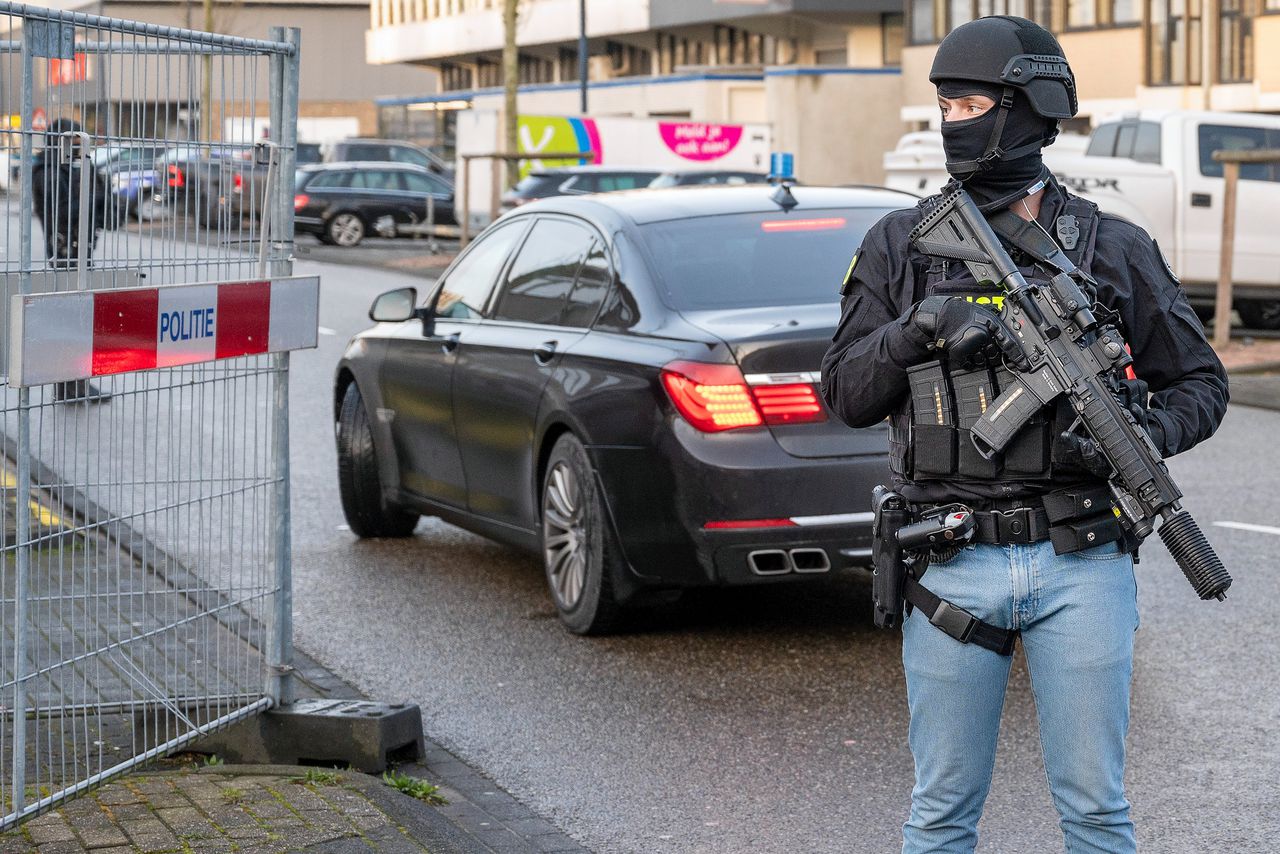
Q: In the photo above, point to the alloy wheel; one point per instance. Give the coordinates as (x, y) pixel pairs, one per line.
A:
(564, 535)
(346, 229)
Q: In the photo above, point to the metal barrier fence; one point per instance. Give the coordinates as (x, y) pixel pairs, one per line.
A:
(145, 583)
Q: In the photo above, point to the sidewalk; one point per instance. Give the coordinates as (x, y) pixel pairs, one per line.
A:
(182, 806)
(242, 808)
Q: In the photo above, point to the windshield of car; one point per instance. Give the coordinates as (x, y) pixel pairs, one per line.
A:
(307, 152)
(756, 259)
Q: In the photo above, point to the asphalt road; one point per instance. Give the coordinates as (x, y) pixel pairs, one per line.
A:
(773, 720)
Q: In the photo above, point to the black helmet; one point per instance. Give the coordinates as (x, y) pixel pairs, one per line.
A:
(1011, 52)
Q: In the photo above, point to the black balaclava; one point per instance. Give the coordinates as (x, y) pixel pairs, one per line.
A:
(999, 182)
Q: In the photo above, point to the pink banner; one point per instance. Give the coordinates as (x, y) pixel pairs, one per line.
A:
(697, 141)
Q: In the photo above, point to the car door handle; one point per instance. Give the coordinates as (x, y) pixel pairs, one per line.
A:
(449, 343)
(545, 352)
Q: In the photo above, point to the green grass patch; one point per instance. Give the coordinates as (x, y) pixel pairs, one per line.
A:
(414, 788)
(317, 777)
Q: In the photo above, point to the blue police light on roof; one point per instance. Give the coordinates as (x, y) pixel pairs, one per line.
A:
(782, 166)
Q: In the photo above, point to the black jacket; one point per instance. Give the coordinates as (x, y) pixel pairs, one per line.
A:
(864, 376)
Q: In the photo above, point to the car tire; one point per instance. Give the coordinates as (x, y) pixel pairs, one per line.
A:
(1259, 313)
(345, 229)
(580, 555)
(363, 503)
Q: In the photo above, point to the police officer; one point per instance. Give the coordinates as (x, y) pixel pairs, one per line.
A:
(1050, 564)
(56, 187)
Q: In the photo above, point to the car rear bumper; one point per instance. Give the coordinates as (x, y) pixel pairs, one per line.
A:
(661, 501)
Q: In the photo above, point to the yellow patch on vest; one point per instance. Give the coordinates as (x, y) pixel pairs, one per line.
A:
(848, 274)
(996, 301)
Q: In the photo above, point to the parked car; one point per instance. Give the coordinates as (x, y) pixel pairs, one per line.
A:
(388, 151)
(576, 180)
(700, 177)
(342, 203)
(625, 384)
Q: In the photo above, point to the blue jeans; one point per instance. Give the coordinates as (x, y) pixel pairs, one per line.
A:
(1077, 614)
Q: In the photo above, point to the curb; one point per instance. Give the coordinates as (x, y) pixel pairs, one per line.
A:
(1260, 368)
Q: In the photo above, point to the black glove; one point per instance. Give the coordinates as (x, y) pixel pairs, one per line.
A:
(1133, 396)
(961, 328)
(1080, 452)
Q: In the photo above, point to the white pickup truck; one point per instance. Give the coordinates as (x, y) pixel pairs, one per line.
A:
(1157, 169)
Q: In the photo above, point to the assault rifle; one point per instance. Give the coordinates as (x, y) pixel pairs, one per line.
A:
(1067, 350)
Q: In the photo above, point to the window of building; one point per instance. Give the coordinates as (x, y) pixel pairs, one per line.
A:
(736, 46)
(959, 12)
(488, 73)
(922, 21)
(930, 20)
(453, 77)
(626, 60)
(892, 32)
(1173, 42)
(567, 65)
(535, 69)
(675, 51)
(1235, 42)
(832, 56)
(1121, 12)
(1081, 13)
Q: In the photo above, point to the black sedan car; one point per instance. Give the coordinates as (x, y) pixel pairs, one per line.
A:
(342, 203)
(626, 385)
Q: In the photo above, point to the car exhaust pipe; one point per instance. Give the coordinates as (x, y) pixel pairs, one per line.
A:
(810, 560)
(769, 562)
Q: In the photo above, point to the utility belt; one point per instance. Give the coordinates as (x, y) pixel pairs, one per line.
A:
(1073, 519)
(907, 537)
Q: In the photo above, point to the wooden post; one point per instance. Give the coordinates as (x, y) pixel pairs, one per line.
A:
(460, 210)
(1231, 161)
(499, 165)
(1223, 301)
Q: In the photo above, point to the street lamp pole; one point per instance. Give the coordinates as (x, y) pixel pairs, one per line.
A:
(582, 54)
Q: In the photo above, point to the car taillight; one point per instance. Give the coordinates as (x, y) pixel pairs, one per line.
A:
(176, 178)
(792, 403)
(711, 397)
(300, 201)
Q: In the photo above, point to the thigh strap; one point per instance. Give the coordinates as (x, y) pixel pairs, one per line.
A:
(957, 622)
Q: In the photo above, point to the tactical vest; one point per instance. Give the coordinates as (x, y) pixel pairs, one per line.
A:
(929, 435)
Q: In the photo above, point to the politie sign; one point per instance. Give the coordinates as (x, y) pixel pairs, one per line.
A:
(82, 334)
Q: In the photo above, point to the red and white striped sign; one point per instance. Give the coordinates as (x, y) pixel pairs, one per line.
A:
(81, 334)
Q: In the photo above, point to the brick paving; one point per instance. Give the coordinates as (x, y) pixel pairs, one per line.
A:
(256, 809)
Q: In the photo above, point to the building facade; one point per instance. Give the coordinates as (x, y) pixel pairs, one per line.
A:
(1127, 54)
(820, 72)
(838, 80)
(337, 87)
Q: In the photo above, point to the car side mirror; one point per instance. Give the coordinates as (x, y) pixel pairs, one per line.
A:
(394, 306)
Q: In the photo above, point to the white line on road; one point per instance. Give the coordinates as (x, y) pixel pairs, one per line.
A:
(324, 330)
(1245, 526)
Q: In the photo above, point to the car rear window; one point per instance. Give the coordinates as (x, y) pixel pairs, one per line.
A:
(745, 260)
(537, 185)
